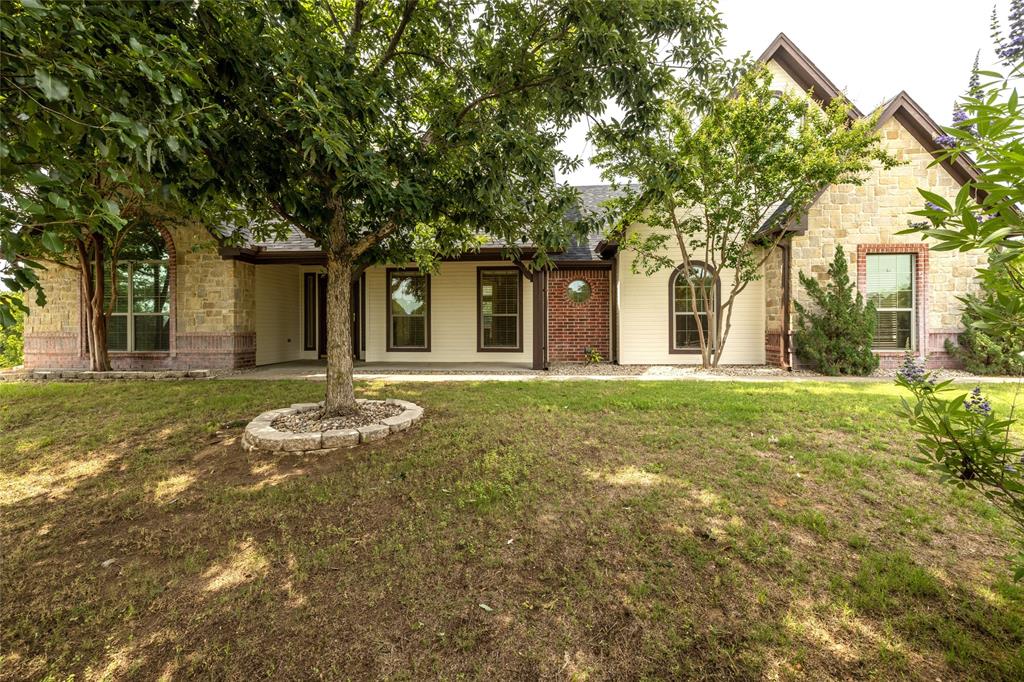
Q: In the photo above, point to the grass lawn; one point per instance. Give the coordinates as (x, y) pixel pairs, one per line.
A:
(604, 530)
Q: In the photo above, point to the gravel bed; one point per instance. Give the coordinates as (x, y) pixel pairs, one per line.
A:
(442, 372)
(309, 421)
(600, 368)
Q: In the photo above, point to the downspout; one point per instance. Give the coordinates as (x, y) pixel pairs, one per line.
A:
(787, 343)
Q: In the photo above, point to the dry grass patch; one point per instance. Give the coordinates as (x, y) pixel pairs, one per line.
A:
(536, 530)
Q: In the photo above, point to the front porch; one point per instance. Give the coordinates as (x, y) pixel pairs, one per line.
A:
(467, 316)
(316, 370)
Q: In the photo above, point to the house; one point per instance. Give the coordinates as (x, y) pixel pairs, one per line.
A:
(185, 304)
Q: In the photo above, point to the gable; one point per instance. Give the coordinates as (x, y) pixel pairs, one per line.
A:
(792, 67)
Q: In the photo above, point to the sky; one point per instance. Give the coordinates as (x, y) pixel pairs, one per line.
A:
(871, 49)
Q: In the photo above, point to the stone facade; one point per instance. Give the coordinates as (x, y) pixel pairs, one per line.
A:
(574, 327)
(774, 348)
(866, 219)
(211, 315)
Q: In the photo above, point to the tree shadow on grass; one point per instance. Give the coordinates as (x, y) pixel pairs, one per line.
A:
(601, 545)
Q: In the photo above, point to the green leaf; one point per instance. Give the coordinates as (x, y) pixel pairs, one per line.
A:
(52, 242)
(53, 88)
(57, 200)
(936, 199)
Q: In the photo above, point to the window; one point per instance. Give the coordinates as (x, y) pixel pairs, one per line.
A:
(309, 305)
(500, 298)
(890, 287)
(408, 310)
(578, 291)
(141, 320)
(684, 336)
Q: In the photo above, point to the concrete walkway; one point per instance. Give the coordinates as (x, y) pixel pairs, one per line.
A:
(312, 370)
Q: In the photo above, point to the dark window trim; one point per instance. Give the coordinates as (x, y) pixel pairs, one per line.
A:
(362, 311)
(309, 339)
(672, 308)
(387, 298)
(480, 348)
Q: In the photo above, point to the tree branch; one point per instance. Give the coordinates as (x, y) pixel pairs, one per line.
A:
(356, 28)
(494, 94)
(374, 238)
(292, 220)
(389, 52)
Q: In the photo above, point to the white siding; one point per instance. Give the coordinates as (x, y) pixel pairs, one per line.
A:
(453, 318)
(278, 313)
(644, 320)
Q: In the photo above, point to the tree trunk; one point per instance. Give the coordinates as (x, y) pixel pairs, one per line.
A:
(341, 397)
(91, 264)
(99, 357)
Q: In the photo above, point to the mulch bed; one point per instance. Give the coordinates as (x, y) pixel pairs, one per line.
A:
(312, 420)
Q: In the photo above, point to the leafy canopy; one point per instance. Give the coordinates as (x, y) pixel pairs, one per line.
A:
(101, 108)
(404, 130)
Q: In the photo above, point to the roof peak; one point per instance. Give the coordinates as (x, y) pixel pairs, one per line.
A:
(783, 51)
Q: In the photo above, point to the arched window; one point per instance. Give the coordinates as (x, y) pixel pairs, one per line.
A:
(683, 334)
(141, 319)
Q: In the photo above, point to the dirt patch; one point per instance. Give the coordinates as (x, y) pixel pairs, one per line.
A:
(312, 420)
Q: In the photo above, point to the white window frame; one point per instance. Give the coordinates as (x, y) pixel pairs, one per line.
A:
(913, 300)
(130, 314)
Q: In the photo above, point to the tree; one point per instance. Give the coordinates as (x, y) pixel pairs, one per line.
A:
(12, 334)
(716, 169)
(101, 106)
(399, 131)
(960, 435)
(836, 338)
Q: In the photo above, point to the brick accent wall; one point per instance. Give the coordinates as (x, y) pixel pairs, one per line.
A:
(920, 251)
(574, 327)
(773, 349)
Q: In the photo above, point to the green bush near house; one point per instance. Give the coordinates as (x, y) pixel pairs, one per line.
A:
(836, 338)
(986, 350)
(12, 338)
(984, 354)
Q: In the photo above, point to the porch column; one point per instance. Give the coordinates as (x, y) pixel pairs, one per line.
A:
(540, 319)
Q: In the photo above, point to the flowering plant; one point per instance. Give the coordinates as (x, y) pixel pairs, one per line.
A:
(962, 437)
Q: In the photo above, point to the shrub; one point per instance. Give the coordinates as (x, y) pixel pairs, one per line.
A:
(836, 338)
(11, 337)
(984, 347)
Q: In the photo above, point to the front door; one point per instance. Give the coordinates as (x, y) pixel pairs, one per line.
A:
(322, 316)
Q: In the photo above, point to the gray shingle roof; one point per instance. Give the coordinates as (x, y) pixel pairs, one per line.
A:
(591, 197)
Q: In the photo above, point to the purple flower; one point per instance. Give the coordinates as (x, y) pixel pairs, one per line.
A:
(978, 404)
(945, 140)
(913, 372)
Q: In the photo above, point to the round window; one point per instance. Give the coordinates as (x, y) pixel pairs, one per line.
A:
(578, 290)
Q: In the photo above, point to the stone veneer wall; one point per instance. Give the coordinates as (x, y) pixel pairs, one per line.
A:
(574, 327)
(773, 309)
(212, 307)
(867, 217)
